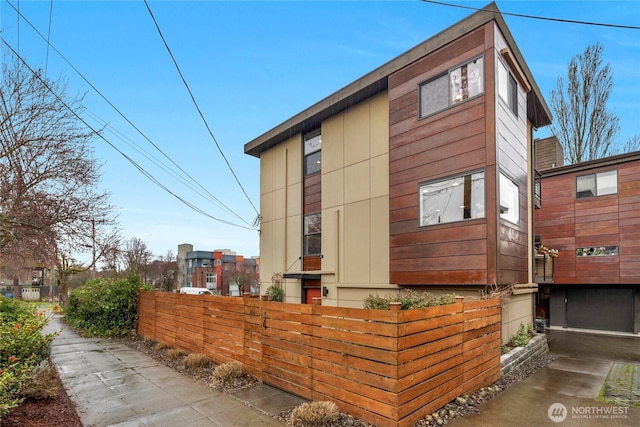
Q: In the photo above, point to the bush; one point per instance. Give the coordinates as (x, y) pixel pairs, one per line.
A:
(197, 361)
(228, 373)
(42, 382)
(275, 293)
(521, 338)
(408, 300)
(105, 307)
(314, 414)
(22, 348)
(175, 353)
(160, 346)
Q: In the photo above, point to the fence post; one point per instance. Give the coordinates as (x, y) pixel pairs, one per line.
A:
(317, 301)
(395, 306)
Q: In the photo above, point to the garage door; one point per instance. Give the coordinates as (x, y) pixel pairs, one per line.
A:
(609, 309)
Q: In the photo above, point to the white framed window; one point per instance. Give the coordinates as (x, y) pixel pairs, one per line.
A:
(509, 199)
(453, 199)
(597, 184)
(507, 87)
(457, 85)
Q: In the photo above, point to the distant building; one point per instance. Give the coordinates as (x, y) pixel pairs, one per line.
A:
(220, 270)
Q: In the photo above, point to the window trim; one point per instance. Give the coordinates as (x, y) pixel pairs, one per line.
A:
(451, 177)
(450, 104)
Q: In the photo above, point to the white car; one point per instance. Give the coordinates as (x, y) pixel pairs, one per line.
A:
(195, 291)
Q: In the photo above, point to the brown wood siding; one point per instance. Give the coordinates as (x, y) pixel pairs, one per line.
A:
(566, 223)
(450, 142)
(312, 195)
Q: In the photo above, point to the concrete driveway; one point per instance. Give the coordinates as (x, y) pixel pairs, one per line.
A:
(564, 392)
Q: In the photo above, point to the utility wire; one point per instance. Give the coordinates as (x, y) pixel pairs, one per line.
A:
(213, 198)
(46, 62)
(197, 107)
(98, 134)
(542, 18)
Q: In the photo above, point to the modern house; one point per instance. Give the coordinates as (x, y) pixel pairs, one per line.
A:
(418, 175)
(591, 216)
(218, 270)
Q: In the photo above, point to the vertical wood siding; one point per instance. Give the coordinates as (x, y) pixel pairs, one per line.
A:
(390, 368)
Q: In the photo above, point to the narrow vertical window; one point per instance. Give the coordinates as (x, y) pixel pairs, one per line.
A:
(509, 200)
(313, 234)
(312, 154)
(507, 88)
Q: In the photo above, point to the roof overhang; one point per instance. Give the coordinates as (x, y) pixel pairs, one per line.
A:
(376, 82)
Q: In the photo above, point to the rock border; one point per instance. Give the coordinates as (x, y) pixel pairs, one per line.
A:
(535, 349)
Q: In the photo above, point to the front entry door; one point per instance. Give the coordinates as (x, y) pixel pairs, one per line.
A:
(310, 290)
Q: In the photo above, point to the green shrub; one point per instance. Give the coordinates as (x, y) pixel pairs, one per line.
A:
(275, 293)
(22, 347)
(315, 414)
(106, 307)
(521, 338)
(408, 299)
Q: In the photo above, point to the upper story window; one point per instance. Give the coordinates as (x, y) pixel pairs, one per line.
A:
(312, 153)
(597, 184)
(507, 87)
(313, 234)
(457, 85)
(452, 199)
(509, 199)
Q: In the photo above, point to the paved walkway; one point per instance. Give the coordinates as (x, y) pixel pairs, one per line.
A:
(563, 393)
(114, 385)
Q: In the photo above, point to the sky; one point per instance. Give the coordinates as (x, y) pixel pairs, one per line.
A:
(249, 67)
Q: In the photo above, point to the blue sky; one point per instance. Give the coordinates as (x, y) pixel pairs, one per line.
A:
(252, 65)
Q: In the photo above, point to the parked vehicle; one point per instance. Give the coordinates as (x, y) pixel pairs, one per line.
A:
(195, 291)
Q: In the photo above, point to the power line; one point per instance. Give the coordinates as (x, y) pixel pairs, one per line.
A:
(197, 107)
(98, 134)
(542, 18)
(212, 198)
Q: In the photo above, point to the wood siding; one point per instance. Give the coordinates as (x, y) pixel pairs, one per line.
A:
(389, 368)
(566, 223)
(456, 140)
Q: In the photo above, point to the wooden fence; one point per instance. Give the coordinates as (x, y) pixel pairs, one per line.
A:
(389, 368)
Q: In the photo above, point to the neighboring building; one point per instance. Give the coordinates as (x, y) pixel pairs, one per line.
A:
(221, 270)
(418, 175)
(181, 261)
(591, 215)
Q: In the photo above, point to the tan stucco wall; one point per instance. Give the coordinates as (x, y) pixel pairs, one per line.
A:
(516, 309)
(355, 206)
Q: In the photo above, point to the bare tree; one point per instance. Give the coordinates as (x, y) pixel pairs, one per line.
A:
(583, 125)
(632, 144)
(137, 257)
(49, 197)
(163, 271)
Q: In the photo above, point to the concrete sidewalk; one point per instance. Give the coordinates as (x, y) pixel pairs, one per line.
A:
(114, 385)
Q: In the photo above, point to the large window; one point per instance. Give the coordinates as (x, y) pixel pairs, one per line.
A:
(509, 200)
(312, 153)
(457, 85)
(313, 234)
(452, 199)
(507, 88)
(597, 184)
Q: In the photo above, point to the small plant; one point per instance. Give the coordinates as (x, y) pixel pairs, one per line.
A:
(228, 373)
(275, 293)
(521, 338)
(197, 361)
(314, 414)
(175, 353)
(161, 346)
(42, 383)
